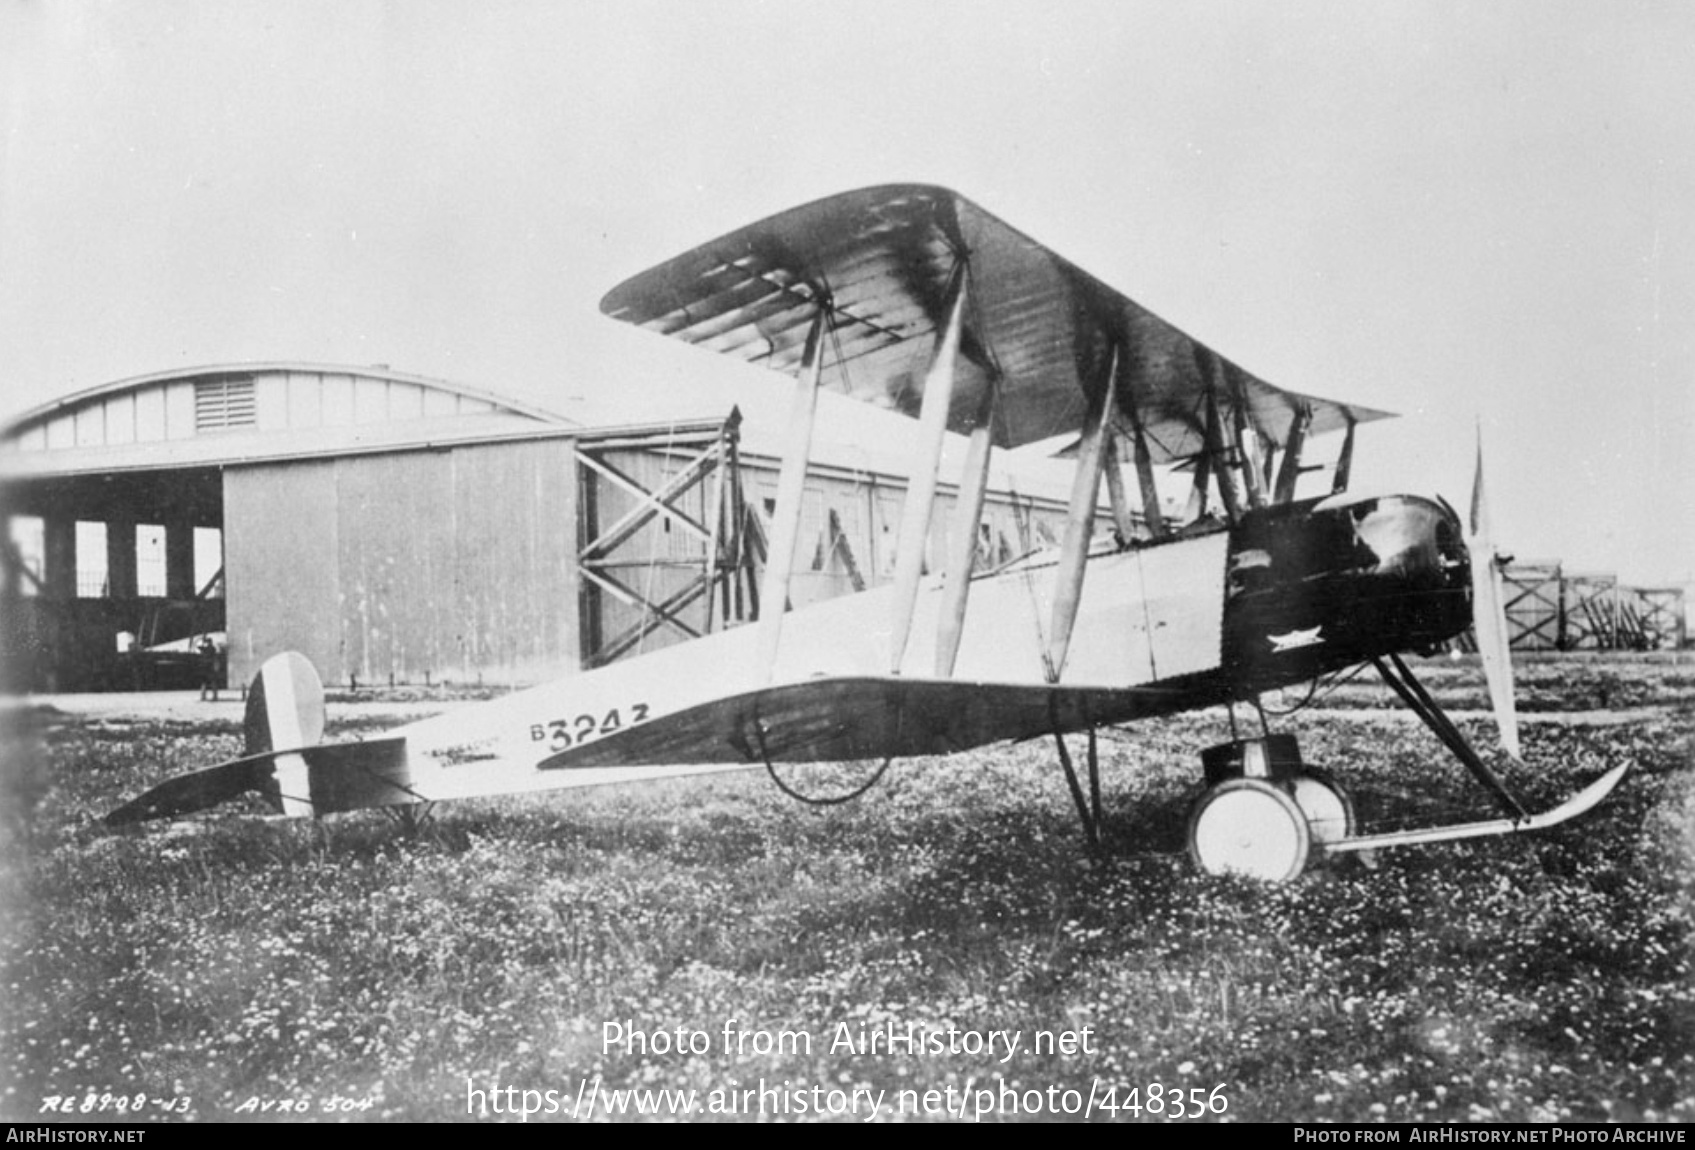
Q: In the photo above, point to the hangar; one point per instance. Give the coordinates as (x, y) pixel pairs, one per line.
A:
(401, 529)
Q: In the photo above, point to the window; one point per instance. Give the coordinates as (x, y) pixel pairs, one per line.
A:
(27, 539)
(208, 562)
(149, 560)
(224, 402)
(91, 560)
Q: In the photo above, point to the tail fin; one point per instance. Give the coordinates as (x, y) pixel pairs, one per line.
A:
(285, 705)
(284, 761)
(285, 711)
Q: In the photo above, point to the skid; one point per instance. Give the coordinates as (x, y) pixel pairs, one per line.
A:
(1579, 803)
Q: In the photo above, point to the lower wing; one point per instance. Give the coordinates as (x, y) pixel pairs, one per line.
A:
(871, 717)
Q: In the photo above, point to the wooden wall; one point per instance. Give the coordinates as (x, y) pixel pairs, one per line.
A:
(407, 567)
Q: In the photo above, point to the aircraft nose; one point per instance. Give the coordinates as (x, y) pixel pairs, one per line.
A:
(1360, 578)
(1449, 538)
(1415, 541)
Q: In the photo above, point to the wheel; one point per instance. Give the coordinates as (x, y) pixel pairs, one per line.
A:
(1330, 813)
(1249, 827)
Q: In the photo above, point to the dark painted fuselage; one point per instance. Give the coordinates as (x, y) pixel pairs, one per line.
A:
(1317, 586)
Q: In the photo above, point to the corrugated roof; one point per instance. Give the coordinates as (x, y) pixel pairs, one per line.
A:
(88, 395)
(850, 437)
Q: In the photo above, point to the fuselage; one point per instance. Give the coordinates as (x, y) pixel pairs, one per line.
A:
(1204, 618)
(1208, 617)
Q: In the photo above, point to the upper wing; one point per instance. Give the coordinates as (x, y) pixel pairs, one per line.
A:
(883, 258)
(863, 718)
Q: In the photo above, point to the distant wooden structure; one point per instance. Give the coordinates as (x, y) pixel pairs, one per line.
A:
(1657, 614)
(1532, 598)
(1551, 609)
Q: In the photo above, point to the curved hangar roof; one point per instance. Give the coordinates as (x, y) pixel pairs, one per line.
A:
(242, 412)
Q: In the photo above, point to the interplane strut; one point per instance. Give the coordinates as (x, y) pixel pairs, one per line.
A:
(791, 495)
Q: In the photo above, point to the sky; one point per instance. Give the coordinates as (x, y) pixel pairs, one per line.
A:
(1478, 215)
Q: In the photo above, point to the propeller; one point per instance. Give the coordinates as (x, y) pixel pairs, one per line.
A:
(1489, 616)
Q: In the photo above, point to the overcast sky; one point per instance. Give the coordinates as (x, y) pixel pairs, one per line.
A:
(1462, 212)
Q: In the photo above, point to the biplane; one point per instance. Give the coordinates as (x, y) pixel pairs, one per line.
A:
(914, 299)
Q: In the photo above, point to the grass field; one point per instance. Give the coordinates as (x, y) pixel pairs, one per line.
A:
(235, 967)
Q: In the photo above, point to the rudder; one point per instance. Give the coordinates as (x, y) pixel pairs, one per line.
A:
(285, 711)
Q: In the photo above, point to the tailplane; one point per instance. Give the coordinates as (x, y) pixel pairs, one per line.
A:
(284, 760)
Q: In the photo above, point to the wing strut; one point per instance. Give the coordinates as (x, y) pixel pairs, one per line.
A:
(1080, 524)
(1218, 456)
(921, 483)
(1197, 505)
(1291, 469)
(1219, 382)
(968, 513)
(791, 493)
(1344, 461)
(1152, 515)
(1247, 443)
(1124, 520)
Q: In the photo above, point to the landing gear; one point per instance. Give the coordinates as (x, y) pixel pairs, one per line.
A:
(1235, 828)
(1329, 811)
(1264, 811)
(1249, 827)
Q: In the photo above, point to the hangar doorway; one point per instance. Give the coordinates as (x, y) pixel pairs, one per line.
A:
(113, 581)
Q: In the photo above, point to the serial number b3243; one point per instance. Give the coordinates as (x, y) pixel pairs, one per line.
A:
(562, 734)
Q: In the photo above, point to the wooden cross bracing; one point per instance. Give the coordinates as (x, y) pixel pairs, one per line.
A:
(719, 532)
